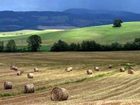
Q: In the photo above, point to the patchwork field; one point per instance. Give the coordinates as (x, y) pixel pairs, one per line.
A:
(106, 87)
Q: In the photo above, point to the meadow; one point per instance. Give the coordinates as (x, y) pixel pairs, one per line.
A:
(105, 87)
(105, 34)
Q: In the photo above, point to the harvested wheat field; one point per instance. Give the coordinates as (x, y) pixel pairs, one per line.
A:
(108, 86)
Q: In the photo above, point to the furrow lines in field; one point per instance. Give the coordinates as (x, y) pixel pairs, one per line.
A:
(103, 89)
(119, 90)
(103, 92)
(133, 90)
(100, 89)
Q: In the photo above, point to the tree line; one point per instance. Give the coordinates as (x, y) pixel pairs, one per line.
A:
(34, 44)
(94, 46)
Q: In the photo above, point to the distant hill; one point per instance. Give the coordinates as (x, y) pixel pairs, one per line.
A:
(12, 21)
(105, 34)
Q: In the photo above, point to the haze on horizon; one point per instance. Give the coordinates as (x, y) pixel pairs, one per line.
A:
(60, 5)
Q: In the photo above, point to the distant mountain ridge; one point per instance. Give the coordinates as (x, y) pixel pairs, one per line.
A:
(12, 21)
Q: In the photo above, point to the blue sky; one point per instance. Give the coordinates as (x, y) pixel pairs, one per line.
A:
(59, 5)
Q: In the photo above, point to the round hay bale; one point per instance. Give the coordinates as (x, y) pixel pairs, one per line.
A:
(110, 66)
(59, 94)
(122, 69)
(36, 69)
(131, 71)
(30, 75)
(29, 88)
(13, 68)
(69, 69)
(97, 68)
(89, 72)
(8, 85)
(19, 73)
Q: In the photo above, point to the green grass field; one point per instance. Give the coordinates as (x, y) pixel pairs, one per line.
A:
(102, 34)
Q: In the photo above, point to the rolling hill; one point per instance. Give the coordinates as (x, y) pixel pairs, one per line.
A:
(105, 34)
(13, 21)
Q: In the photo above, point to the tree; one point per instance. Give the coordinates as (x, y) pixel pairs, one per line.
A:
(116, 46)
(1, 46)
(11, 46)
(106, 48)
(90, 46)
(74, 47)
(117, 23)
(60, 46)
(136, 44)
(93, 46)
(128, 46)
(34, 43)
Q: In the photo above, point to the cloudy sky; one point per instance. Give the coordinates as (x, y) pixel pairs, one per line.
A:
(59, 5)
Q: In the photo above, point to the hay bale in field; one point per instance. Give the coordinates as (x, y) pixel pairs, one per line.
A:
(59, 94)
(29, 88)
(131, 71)
(8, 85)
(69, 69)
(89, 72)
(30, 75)
(19, 73)
(110, 66)
(13, 68)
(36, 69)
(97, 68)
(122, 69)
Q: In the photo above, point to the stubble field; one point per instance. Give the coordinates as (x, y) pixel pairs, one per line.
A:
(105, 87)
